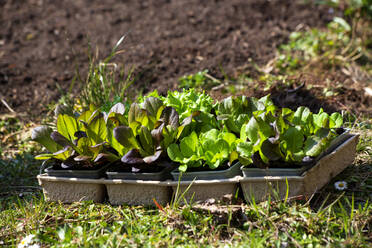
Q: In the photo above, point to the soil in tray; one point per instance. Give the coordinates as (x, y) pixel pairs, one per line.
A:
(206, 168)
(82, 166)
(139, 168)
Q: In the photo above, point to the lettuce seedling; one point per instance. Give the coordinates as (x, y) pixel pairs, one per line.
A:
(188, 153)
(193, 103)
(77, 141)
(283, 135)
(236, 111)
(212, 148)
(152, 127)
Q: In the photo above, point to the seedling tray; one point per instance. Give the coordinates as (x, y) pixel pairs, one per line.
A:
(232, 171)
(151, 176)
(68, 190)
(138, 192)
(92, 174)
(258, 172)
(259, 188)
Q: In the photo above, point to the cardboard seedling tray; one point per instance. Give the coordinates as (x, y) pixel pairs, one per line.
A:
(330, 165)
(68, 190)
(137, 192)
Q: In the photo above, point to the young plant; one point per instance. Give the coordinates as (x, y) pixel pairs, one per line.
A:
(212, 148)
(192, 103)
(77, 142)
(199, 80)
(233, 112)
(151, 128)
(287, 136)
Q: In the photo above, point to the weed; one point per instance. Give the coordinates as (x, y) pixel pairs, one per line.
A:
(101, 85)
(199, 80)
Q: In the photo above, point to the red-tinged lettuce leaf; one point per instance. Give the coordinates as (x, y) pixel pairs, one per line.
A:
(257, 161)
(136, 127)
(124, 135)
(81, 158)
(169, 136)
(116, 115)
(83, 147)
(106, 157)
(152, 158)
(60, 139)
(154, 106)
(41, 135)
(118, 108)
(188, 119)
(97, 148)
(157, 134)
(132, 157)
(62, 154)
(80, 134)
(121, 150)
(169, 116)
(184, 128)
(146, 142)
(136, 114)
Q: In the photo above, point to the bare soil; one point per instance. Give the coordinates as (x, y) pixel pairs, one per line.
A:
(42, 41)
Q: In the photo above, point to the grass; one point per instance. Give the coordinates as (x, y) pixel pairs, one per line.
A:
(342, 223)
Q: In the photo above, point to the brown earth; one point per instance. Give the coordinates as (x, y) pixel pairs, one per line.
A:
(41, 41)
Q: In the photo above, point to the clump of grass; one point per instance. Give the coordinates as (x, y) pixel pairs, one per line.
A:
(105, 83)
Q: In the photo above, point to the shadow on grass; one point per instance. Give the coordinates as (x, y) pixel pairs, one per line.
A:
(18, 177)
